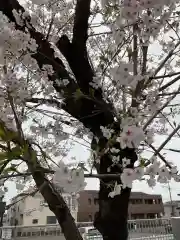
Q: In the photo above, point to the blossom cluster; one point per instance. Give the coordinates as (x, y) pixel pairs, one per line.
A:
(155, 172)
(70, 180)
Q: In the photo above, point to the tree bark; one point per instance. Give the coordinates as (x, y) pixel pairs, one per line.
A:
(111, 219)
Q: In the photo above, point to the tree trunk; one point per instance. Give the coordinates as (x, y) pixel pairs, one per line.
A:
(111, 220)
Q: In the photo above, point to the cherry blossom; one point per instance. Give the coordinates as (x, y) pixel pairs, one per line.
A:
(151, 182)
(164, 173)
(106, 132)
(39, 2)
(96, 82)
(114, 150)
(127, 177)
(125, 162)
(139, 172)
(71, 181)
(131, 136)
(116, 191)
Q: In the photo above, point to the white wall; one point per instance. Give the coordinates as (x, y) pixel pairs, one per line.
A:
(168, 211)
(32, 208)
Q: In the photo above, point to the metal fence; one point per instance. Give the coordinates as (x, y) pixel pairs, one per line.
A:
(141, 229)
(145, 229)
(150, 229)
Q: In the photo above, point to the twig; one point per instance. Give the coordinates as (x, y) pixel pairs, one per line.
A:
(159, 110)
(168, 84)
(166, 59)
(25, 195)
(165, 142)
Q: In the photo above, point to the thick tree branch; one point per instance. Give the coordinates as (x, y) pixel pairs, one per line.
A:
(165, 86)
(157, 153)
(76, 52)
(45, 101)
(82, 13)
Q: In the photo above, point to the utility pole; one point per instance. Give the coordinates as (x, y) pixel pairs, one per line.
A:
(171, 201)
(170, 196)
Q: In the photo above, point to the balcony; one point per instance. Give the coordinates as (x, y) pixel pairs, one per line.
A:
(145, 208)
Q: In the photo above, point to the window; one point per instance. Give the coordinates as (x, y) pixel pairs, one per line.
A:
(95, 201)
(89, 201)
(90, 218)
(51, 220)
(73, 203)
(139, 201)
(69, 202)
(149, 201)
(15, 222)
(34, 221)
(150, 215)
(133, 201)
(137, 216)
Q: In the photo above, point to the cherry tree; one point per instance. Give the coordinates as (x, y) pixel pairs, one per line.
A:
(107, 69)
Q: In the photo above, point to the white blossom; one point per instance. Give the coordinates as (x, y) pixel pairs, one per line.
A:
(139, 172)
(116, 191)
(164, 172)
(151, 182)
(125, 162)
(114, 150)
(96, 82)
(127, 177)
(49, 69)
(65, 82)
(131, 137)
(176, 177)
(106, 132)
(39, 2)
(115, 159)
(174, 170)
(71, 181)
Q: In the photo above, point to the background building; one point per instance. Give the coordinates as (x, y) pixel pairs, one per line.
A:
(145, 206)
(35, 211)
(141, 206)
(172, 208)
